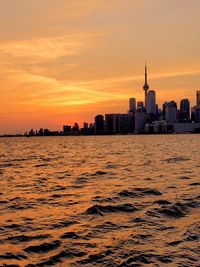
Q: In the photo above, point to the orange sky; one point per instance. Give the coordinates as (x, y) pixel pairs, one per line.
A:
(67, 60)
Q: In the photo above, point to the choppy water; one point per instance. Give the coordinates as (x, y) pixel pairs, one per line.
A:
(100, 201)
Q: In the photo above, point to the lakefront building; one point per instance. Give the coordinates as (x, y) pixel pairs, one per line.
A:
(132, 105)
(151, 102)
(171, 112)
(198, 98)
(184, 112)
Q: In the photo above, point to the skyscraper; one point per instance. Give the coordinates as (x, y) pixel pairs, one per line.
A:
(198, 98)
(140, 120)
(146, 86)
(151, 102)
(185, 109)
(132, 104)
(99, 124)
(140, 105)
(171, 112)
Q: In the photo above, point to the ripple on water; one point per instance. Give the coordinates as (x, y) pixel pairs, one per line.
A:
(139, 192)
(43, 248)
(24, 238)
(101, 210)
(109, 201)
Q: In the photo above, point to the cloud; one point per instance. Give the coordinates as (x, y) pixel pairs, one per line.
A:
(42, 48)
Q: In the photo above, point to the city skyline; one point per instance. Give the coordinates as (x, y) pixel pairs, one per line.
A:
(142, 117)
(62, 68)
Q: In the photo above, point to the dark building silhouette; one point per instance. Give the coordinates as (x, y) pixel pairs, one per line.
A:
(119, 123)
(99, 124)
(171, 111)
(85, 125)
(195, 114)
(46, 132)
(168, 104)
(41, 131)
(75, 129)
(198, 98)
(184, 109)
(67, 129)
(132, 105)
(140, 105)
(111, 123)
(140, 120)
(126, 123)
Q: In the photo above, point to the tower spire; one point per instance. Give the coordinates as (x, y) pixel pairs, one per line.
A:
(145, 72)
(146, 86)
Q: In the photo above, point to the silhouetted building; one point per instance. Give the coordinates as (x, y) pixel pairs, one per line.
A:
(41, 131)
(111, 122)
(140, 105)
(164, 109)
(126, 123)
(99, 124)
(195, 114)
(151, 102)
(31, 133)
(171, 112)
(88, 129)
(184, 110)
(119, 123)
(198, 98)
(67, 129)
(158, 111)
(46, 132)
(75, 129)
(132, 105)
(159, 127)
(140, 120)
(85, 125)
(186, 127)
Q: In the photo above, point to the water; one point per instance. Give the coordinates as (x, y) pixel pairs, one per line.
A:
(100, 201)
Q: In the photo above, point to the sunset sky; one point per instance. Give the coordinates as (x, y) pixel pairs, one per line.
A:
(63, 61)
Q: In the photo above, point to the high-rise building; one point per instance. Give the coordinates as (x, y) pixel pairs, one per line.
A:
(140, 105)
(195, 114)
(99, 124)
(85, 125)
(171, 112)
(185, 109)
(151, 102)
(164, 109)
(198, 98)
(132, 104)
(67, 129)
(127, 123)
(146, 86)
(111, 123)
(140, 120)
(173, 103)
(198, 114)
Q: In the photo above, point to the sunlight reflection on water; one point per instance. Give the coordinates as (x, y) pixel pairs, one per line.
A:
(100, 201)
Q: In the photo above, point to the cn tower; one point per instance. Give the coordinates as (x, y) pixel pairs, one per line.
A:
(146, 86)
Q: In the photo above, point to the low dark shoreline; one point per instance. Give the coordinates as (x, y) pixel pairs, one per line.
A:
(118, 134)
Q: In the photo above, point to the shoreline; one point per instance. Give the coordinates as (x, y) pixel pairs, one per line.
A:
(80, 135)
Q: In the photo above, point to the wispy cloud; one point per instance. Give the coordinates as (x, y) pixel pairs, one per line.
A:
(42, 48)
